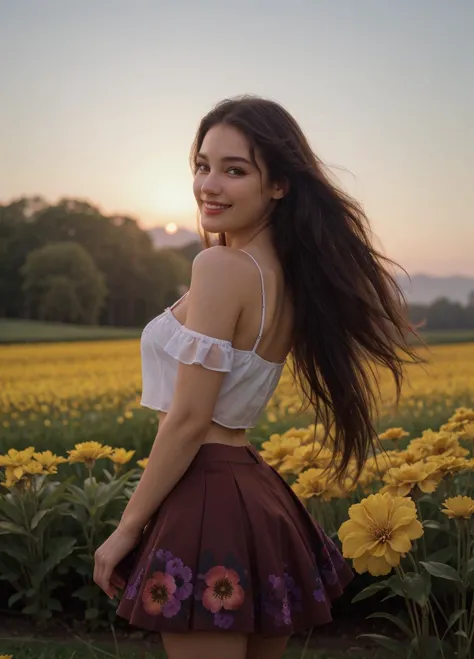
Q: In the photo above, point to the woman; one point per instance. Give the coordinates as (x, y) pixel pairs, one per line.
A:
(230, 563)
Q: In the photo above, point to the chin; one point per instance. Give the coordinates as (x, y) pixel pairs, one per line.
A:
(212, 225)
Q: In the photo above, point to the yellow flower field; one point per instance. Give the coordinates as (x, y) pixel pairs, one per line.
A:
(62, 384)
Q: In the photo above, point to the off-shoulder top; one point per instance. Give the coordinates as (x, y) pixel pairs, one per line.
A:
(247, 386)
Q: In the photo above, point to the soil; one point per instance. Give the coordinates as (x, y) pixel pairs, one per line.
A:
(340, 635)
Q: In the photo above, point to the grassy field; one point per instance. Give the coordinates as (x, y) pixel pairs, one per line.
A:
(33, 331)
(44, 650)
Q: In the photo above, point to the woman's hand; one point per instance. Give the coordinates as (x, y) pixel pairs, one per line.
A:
(109, 554)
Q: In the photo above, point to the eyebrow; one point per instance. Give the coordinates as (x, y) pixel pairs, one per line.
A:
(226, 158)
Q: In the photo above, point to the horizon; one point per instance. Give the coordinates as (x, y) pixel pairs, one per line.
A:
(382, 93)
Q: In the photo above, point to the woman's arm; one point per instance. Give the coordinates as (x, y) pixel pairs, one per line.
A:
(214, 305)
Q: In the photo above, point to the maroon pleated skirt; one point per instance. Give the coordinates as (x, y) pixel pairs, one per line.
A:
(232, 548)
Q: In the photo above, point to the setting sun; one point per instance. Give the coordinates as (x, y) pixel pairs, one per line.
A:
(171, 228)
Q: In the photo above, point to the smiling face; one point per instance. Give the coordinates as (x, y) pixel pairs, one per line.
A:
(224, 174)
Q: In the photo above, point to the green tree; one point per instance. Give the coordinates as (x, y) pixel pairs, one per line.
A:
(62, 283)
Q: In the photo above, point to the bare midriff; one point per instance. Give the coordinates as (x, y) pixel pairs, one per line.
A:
(218, 434)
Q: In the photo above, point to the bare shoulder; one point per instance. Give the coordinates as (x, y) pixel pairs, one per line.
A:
(218, 267)
(215, 259)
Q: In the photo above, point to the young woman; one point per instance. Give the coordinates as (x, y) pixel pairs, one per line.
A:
(215, 551)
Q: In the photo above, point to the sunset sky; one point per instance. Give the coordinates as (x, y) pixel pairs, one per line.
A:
(101, 100)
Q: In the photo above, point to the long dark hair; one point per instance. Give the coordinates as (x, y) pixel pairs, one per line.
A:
(349, 311)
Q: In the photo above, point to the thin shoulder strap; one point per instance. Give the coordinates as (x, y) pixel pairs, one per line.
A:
(178, 300)
(263, 301)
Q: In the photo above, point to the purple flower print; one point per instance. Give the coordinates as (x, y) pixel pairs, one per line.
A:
(223, 620)
(167, 586)
(164, 555)
(132, 588)
(319, 593)
(182, 576)
(282, 598)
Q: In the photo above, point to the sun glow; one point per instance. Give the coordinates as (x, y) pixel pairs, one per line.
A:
(171, 228)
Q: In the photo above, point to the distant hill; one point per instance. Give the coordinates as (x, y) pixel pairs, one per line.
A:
(182, 237)
(424, 289)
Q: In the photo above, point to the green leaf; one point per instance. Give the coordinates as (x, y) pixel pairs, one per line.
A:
(54, 604)
(396, 621)
(461, 633)
(370, 590)
(61, 549)
(14, 598)
(441, 571)
(11, 527)
(396, 585)
(428, 646)
(85, 592)
(92, 614)
(39, 515)
(55, 492)
(10, 509)
(399, 649)
(443, 555)
(31, 609)
(453, 618)
(433, 524)
(418, 587)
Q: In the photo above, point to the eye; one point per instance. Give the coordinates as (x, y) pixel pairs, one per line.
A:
(198, 165)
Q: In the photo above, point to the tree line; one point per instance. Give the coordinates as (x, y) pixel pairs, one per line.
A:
(69, 262)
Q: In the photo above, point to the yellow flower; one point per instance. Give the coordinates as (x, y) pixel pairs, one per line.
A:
(315, 483)
(277, 448)
(462, 414)
(401, 480)
(121, 456)
(33, 467)
(6, 656)
(439, 443)
(16, 458)
(306, 456)
(380, 530)
(49, 461)
(458, 507)
(448, 464)
(379, 464)
(12, 478)
(89, 452)
(142, 463)
(394, 434)
(467, 431)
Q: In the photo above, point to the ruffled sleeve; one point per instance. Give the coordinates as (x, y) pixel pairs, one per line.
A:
(190, 347)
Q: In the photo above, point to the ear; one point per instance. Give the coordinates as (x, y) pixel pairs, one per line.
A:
(280, 189)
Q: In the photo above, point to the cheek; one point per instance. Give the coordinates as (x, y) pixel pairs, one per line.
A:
(197, 189)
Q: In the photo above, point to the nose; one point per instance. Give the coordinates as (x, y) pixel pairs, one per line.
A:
(211, 185)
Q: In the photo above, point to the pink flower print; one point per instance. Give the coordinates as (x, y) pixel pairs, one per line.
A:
(223, 590)
(158, 595)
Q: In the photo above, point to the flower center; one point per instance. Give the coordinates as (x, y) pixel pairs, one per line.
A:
(223, 589)
(383, 534)
(159, 594)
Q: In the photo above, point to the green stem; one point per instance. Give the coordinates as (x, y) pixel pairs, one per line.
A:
(413, 613)
(435, 627)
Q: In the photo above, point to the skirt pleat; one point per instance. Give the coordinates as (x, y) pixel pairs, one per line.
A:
(232, 548)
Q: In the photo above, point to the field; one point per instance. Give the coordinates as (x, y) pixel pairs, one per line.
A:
(33, 331)
(54, 395)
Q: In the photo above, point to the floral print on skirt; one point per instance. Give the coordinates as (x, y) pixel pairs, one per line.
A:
(232, 548)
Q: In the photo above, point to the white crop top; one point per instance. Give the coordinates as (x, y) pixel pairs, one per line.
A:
(248, 384)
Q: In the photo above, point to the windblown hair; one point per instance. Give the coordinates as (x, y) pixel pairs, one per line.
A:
(349, 311)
